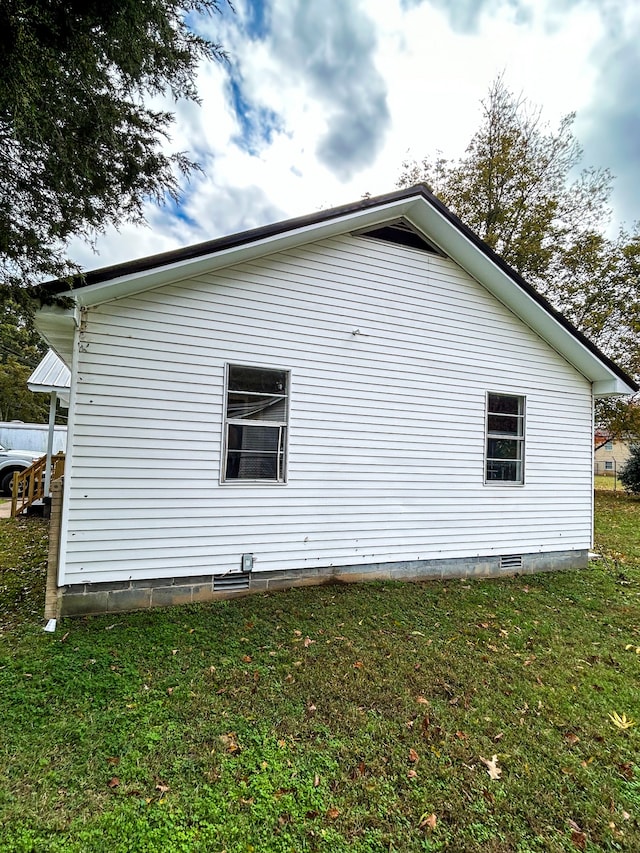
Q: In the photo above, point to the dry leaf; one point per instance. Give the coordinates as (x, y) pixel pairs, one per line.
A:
(307, 642)
(113, 760)
(316, 780)
(358, 664)
(462, 736)
(411, 774)
(492, 766)
(246, 658)
(113, 782)
(571, 739)
(421, 700)
(169, 690)
(498, 737)
(427, 821)
(579, 839)
(311, 709)
(413, 756)
(333, 813)
(162, 788)
(229, 742)
(297, 633)
(621, 721)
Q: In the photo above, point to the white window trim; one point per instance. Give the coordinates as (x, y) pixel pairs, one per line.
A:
(518, 484)
(235, 483)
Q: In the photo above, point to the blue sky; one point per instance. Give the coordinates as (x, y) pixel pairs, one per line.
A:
(321, 102)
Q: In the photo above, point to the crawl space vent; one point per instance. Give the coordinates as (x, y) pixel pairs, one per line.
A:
(511, 563)
(230, 582)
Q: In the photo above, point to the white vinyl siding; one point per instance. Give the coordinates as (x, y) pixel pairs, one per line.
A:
(391, 352)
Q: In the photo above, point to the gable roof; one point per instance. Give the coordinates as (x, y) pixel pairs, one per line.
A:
(415, 206)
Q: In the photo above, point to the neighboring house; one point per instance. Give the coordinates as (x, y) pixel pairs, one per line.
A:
(366, 392)
(611, 454)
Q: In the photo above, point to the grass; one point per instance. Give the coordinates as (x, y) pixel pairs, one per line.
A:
(607, 484)
(330, 719)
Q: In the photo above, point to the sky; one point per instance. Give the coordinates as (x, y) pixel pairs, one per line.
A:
(321, 102)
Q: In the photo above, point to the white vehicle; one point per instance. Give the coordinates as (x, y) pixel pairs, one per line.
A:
(11, 461)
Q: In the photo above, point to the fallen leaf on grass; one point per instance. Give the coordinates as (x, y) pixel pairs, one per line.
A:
(571, 739)
(621, 721)
(427, 821)
(316, 781)
(311, 709)
(229, 742)
(578, 837)
(413, 756)
(113, 782)
(162, 788)
(421, 700)
(492, 766)
(113, 760)
(626, 770)
(333, 813)
(307, 642)
(358, 664)
(246, 658)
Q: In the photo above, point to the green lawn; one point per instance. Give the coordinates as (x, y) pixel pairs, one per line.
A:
(339, 718)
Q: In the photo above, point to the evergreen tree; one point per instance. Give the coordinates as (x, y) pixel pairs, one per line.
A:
(630, 474)
(80, 149)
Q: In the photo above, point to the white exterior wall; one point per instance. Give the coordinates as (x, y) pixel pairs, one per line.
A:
(387, 426)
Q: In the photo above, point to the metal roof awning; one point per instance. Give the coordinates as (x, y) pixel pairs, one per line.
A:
(52, 374)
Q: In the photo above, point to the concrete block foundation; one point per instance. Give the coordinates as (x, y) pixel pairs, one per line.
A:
(123, 596)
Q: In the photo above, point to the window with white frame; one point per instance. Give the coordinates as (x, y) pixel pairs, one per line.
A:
(255, 429)
(608, 466)
(608, 445)
(505, 439)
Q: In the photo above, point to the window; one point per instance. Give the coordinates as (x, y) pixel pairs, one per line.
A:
(608, 466)
(505, 439)
(256, 411)
(608, 445)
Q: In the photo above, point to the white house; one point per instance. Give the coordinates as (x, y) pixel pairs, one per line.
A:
(366, 392)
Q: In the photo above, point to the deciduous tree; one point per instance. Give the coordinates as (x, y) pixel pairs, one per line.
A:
(516, 187)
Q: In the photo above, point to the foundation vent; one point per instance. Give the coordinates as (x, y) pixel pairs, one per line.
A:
(511, 562)
(230, 582)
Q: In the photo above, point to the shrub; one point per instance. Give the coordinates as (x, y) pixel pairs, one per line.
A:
(630, 474)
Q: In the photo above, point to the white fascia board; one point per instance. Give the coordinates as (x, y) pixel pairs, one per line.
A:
(116, 288)
(457, 246)
(57, 326)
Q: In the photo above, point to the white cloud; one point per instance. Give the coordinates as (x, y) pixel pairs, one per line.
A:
(334, 96)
